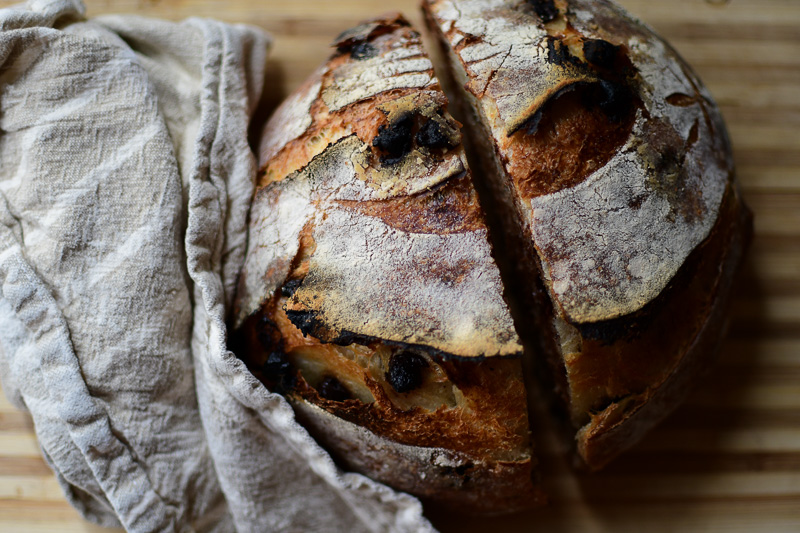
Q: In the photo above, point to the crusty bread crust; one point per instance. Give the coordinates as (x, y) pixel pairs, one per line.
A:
(629, 251)
(368, 245)
(370, 296)
(438, 475)
(611, 243)
(697, 302)
(434, 282)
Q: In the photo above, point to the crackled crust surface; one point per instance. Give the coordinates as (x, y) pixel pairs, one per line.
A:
(611, 243)
(691, 321)
(323, 171)
(369, 295)
(638, 247)
(368, 245)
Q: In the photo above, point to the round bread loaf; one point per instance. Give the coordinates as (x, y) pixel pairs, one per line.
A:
(407, 306)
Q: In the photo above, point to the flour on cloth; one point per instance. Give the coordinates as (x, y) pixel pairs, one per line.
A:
(125, 180)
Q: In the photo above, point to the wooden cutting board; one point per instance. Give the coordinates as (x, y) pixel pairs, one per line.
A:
(729, 459)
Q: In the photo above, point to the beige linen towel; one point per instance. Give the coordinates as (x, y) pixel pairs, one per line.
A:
(125, 180)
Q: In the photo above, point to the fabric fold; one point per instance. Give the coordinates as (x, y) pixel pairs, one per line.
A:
(125, 184)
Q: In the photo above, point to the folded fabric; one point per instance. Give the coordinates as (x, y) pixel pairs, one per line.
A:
(125, 181)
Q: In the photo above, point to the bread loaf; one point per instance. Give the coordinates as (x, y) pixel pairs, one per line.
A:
(406, 305)
(369, 293)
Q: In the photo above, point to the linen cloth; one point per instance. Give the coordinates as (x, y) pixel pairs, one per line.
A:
(125, 181)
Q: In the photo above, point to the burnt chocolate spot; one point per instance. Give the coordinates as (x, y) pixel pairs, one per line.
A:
(363, 50)
(332, 389)
(303, 320)
(405, 371)
(309, 325)
(554, 50)
(558, 53)
(601, 53)
(290, 287)
(279, 372)
(431, 135)
(394, 139)
(545, 9)
(615, 99)
(276, 365)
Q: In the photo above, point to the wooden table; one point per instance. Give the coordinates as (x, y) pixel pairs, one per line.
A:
(729, 459)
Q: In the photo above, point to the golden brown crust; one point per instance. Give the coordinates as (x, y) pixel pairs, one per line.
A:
(370, 297)
(368, 246)
(437, 475)
(390, 163)
(459, 439)
(611, 239)
(624, 201)
(629, 360)
(691, 322)
(313, 118)
(570, 142)
(449, 208)
(477, 408)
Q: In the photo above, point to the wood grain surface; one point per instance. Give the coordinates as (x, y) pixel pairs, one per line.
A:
(729, 458)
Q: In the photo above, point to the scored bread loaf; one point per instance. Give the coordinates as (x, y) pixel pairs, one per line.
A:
(369, 294)
(406, 306)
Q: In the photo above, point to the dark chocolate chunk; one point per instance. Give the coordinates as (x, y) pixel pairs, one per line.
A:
(332, 389)
(304, 321)
(546, 10)
(276, 365)
(617, 100)
(363, 50)
(394, 139)
(290, 287)
(279, 372)
(431, 135)
(405, 371)
(600, 53)
(558, 53)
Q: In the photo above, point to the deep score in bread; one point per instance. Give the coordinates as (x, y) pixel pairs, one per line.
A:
(371, 297)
